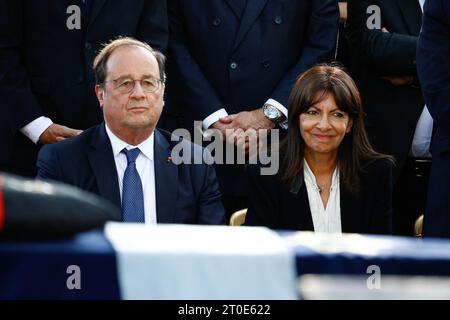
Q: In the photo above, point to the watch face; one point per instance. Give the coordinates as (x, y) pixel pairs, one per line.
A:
(271, 113)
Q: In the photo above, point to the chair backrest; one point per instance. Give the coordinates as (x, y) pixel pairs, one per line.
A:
(418, 227)
(238, 218)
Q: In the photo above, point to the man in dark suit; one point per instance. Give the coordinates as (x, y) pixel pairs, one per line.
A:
(46, 53)
(433, 61)
(383, 38)
(125, 159)
(229, 58)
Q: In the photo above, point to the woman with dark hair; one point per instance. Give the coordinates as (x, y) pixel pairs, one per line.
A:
(331, 180)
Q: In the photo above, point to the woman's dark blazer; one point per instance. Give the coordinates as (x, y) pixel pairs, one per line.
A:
(279, 206)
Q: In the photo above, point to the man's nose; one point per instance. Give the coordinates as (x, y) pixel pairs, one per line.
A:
(137, 91)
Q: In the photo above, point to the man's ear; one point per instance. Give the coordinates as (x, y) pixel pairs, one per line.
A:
(100, 93)
(162, 93)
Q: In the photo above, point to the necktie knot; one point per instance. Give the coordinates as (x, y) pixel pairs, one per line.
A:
(131, 154)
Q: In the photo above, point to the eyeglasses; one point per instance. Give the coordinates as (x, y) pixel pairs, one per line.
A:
(126, 85)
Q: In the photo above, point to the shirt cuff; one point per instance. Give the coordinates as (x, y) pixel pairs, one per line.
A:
(282, 109)
(214, 117)
(35, 128)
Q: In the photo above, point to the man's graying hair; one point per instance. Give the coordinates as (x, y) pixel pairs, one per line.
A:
(102, 57)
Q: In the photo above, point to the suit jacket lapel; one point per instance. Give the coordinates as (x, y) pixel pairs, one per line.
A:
(351, 219)
(101, 159)
(96, 7)
(166, 180)
(234, 9)
(251, 13)
(412, 14)
(305, 216)
(302, 217)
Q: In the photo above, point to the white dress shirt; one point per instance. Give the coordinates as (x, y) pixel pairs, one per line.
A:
(35, 128)
(325, 220)
(145, 166)
(422, 136)
(422, 2)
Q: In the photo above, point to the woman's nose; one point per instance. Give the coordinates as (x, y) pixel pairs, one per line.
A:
(323, 123)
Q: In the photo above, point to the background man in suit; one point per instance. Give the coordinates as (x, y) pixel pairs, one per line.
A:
(433, 61)
(342, 51)
(125, 159)
(46, 54)
(229, 58)
(383, 38)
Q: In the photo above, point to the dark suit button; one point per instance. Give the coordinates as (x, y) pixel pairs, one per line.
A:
(88, 45)
(233, 66)
(414, 62)
(217, 22)
(278, 20)
(80, 79)
(265, 64)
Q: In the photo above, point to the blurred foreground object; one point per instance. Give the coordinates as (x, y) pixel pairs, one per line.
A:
(201, 262)
(313, 287)
(36, 209)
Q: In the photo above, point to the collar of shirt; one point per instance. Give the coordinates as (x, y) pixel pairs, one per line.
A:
(310, 178)
(422, 2)
(146, 147)
(325, 220)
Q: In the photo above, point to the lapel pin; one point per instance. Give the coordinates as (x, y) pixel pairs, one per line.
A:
(169, 159)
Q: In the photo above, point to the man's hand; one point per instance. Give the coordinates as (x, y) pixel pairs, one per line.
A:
(248, 120)
(222, 126)
(245, 127)
(231, 135)
(55, 133)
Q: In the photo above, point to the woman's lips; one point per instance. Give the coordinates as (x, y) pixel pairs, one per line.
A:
(322, 136)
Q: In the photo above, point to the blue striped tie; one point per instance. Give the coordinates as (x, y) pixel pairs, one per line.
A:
(132, 194)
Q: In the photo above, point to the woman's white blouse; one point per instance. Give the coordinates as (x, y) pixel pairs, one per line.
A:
(325, 220)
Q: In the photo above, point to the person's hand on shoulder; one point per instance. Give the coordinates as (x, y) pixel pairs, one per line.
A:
(55, 133)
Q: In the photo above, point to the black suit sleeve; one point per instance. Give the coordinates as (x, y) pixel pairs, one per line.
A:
(389, 54)
(380, 197)
(320, 45)
(263, 203)
(154, 26)
(194, 82)
(19, 106)
(48, 163)
(433, 61)
(210, 208)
